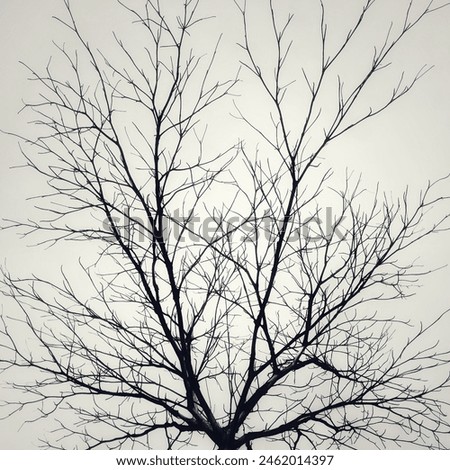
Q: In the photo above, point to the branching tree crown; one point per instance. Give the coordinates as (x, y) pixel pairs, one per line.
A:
(219, 306)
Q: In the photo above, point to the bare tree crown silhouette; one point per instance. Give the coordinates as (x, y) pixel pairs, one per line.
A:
(259, 328)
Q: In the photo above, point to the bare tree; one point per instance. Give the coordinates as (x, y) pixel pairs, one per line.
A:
(260, 326)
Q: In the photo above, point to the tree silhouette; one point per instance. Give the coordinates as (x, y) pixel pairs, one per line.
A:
(219, 306)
